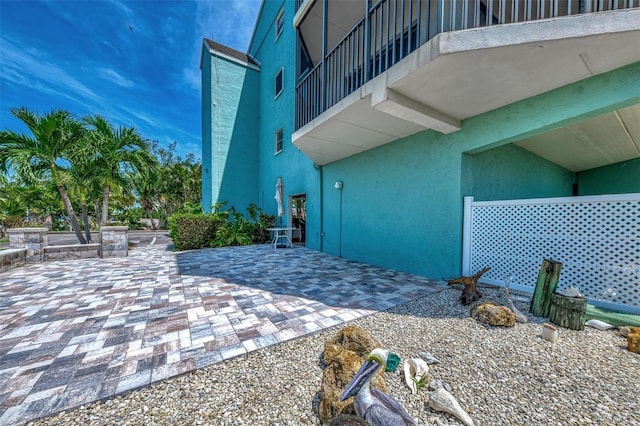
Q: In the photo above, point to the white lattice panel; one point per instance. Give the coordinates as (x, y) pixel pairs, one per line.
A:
(597, 240)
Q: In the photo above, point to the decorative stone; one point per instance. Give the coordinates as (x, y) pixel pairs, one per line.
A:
(393, 361)
(549, 333)
(428, 358)
(633, 339)
(495, 315)
(343, 357)
(435, 384)
(600, 325)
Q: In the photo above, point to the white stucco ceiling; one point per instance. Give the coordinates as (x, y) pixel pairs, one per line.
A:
(606, 139)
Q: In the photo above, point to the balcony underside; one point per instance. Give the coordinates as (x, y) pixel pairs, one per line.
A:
(461, 74)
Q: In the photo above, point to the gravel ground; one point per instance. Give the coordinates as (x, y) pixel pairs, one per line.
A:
(500, 376)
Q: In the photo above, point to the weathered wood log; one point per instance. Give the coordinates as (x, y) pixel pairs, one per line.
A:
(545, 286)
(470, 292)
(520, 317)
(568, 312)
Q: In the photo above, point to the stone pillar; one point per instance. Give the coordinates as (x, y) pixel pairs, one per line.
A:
(32, 239)
(114, 241)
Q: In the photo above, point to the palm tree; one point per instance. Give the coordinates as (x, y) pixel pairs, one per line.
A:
(85, 176)
(115, 153)
(145, 185)
(46, 154)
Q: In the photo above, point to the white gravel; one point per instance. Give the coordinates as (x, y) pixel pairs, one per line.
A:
(500, 376)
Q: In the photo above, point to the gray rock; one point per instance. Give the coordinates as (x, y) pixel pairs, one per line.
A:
(428, 358)
(435, 384)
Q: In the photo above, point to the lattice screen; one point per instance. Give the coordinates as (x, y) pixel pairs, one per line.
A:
(597, 240)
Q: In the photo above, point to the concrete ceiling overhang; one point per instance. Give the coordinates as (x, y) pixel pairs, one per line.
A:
(462, 74)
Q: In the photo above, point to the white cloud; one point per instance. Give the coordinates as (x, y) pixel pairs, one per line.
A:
(113, 76)
(29, 67)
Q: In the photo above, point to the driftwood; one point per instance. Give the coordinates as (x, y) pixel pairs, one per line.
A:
(520, 317)
(470, 292)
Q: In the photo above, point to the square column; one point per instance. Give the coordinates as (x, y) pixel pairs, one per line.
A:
(115, 241)
(32, 239)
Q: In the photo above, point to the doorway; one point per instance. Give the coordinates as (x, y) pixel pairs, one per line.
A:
(298, 218)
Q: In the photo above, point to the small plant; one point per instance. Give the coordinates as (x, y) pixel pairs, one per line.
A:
(420, 383)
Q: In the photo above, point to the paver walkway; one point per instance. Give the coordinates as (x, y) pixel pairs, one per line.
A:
(72, 332)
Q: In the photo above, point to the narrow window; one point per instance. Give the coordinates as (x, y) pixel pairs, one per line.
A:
(279, 23)
(278, 83)
(278, 140)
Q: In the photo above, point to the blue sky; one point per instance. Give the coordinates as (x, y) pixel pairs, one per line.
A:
(134, 62)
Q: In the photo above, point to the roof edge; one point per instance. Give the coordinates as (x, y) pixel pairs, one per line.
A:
(228, 53)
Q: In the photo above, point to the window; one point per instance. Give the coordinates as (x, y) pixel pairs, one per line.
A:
(279, 139)
(279, 23)
(278, 83)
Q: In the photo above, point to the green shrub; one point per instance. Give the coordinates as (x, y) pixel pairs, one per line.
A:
(220, 228)
(193, 231)
(236, 230)
(261, 235)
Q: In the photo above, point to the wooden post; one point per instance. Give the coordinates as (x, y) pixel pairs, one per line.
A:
(545, 286)
(568, 312)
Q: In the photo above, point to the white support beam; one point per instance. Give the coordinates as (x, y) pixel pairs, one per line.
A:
(400, 106)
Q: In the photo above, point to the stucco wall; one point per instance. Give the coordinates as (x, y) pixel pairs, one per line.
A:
(402, 202)
(617, 178)
(297, 171)
(230, 130)
(510, 172)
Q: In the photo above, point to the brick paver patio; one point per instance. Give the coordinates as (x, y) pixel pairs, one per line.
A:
(72, 332)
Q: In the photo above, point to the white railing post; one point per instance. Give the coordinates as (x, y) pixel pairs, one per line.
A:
(466, 236)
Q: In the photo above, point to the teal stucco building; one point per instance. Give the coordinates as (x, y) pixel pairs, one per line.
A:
(381, 116)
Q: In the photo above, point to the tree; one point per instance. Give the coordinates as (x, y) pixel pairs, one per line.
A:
(145, 184)
(85, 176)
(180, 184)
(47, 154)
(116, 152)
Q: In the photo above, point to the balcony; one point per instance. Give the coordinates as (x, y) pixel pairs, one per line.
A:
(404, 66)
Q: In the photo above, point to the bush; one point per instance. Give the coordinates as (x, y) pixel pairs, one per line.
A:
(193, 231)
(220, 228)
(234, 230)
(261, 235)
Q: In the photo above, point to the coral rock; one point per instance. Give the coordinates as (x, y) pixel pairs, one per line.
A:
(633, 339)
(343, 356)
(492, 314)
